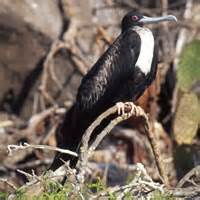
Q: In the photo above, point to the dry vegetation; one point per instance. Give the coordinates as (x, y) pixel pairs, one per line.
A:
(154, 155)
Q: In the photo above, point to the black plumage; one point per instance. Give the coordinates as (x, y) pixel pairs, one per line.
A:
(113, 78)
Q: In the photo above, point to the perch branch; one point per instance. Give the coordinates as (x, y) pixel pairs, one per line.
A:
(138, 112)
(90, 129)
(156, 151)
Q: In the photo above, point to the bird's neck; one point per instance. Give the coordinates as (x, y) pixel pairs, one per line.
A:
(140, 29)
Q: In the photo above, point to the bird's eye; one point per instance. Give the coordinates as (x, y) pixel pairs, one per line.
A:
(135, 18)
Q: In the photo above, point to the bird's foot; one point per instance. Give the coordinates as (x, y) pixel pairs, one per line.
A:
(121, 108)
(139, 111)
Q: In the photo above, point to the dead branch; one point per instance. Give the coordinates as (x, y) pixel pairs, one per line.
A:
(39, 117)
(156, 152)
(86, 151)
(30, 132)
(30, 177)
(140, 182)
(143, 182)
(14, 188)
(24, 146)
(48, 68)
(104, 35)
(35, 187)
(138, 112)
(188, 192)
(194, 172)
(90, 129)
(110, 126)
(77, 58)
(6, 123)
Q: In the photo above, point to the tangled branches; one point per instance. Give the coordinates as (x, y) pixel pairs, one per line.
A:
(140, 186)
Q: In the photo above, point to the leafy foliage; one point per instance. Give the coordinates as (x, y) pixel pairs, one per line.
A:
(3, 196)
(188, 71)
(188, 110)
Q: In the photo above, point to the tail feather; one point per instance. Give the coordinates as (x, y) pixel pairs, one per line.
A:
(69, 136)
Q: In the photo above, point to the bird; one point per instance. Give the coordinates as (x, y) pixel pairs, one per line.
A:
(121, 74)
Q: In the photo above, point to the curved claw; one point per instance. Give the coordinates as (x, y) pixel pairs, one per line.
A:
(120, 108)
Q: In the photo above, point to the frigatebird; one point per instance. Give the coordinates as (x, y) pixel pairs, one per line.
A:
(121, 74)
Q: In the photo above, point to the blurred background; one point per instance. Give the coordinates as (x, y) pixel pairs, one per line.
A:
(47, 46)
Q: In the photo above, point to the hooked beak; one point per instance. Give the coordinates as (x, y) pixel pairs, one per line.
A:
(154, 20)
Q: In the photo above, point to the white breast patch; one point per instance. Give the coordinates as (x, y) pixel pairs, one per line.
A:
(147, 48)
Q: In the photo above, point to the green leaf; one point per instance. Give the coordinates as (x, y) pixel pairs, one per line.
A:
(3, 196)
(188, 71)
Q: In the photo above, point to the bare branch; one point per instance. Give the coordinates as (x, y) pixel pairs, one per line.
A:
(90, 129)
(138, 112)
(6, 123)
(30, 177)
(140, 180)
(188, 192)
(194, 172)
(8, 183)
(24, 146)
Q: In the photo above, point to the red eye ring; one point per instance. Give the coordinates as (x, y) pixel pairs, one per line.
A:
(134, 17)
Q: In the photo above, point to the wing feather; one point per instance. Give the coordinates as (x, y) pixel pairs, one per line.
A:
(114, 67)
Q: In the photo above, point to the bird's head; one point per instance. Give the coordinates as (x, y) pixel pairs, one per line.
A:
(132, 19)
